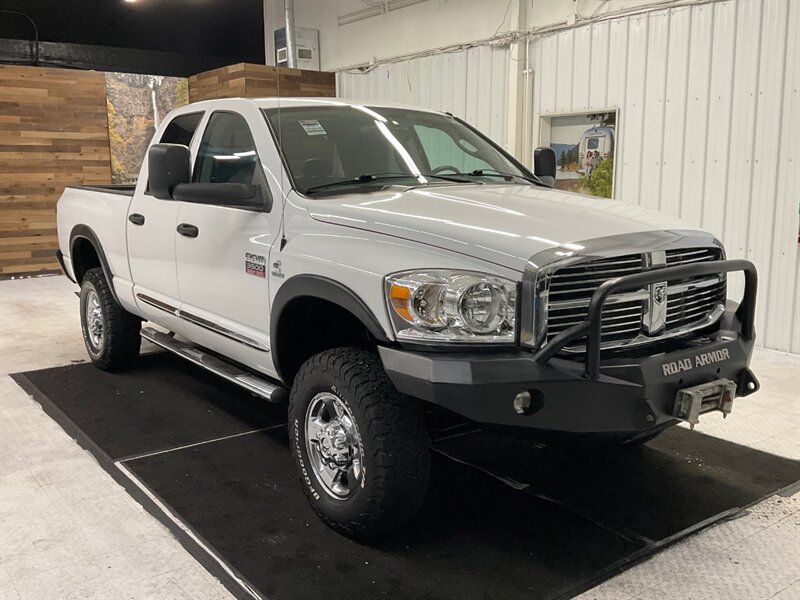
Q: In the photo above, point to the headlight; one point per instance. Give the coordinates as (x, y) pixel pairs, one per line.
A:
(452, 306)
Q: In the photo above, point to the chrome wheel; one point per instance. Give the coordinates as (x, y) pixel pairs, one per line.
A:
(94, 320)
(334, 445)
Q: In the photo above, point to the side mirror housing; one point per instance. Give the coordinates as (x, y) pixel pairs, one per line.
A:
(544, 165)
(168, 165)
(238, 195)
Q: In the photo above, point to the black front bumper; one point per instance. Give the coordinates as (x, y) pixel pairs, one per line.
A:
(630, 396)
(622, 396)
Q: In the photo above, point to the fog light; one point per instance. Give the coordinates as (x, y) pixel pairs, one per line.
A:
(522, 402)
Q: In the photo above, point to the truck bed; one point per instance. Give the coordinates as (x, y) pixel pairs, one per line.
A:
(100, 212)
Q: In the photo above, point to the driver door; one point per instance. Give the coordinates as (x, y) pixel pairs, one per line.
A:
(222, 251)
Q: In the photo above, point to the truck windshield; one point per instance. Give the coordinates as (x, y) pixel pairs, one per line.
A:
(333, 149)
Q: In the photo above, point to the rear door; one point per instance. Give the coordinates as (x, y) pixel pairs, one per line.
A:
(151, 236)
(222, 263)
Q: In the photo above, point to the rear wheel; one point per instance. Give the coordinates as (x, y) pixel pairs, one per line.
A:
(110, 333)
(361, 447)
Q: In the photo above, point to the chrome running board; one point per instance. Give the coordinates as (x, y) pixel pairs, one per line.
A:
(255, 384)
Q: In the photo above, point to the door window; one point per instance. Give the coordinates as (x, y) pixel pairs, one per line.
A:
(181, 129)
(227, 152)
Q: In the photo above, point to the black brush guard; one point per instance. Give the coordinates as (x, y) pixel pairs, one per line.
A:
(591, 328)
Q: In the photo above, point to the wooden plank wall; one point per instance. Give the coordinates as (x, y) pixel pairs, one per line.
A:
(245, 80)
(225, 82)
(53, 133)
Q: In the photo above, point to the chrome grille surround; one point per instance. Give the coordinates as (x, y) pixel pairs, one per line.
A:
(559, 283)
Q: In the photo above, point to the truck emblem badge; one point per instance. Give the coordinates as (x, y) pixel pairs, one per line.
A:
(654, 316)
(659, 292)
(255, 264)
(276, 269)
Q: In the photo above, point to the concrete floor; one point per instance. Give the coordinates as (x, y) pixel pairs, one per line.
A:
(67, 530)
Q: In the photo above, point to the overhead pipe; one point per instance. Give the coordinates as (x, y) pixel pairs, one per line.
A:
(291, 39)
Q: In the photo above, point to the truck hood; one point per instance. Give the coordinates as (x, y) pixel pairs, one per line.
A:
(502, 224)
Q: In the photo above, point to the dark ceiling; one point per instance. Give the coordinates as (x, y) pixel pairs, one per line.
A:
(222, 28)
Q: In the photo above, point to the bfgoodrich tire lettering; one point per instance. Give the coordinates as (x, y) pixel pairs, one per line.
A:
(111, 334)
(391, 442)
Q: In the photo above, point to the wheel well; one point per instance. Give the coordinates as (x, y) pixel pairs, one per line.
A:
(309, 325)
(84, 257)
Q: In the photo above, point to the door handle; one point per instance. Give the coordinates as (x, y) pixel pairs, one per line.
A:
(136, 218)
(188, 230)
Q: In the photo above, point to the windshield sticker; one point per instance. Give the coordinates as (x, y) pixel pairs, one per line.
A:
(312, 127)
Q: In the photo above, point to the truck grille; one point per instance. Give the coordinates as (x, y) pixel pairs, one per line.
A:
(690, 302)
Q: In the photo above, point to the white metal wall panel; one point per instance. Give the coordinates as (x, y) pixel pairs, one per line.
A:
(697, 103)
(616, 70)
(599, 75)
(652, 132)
(767, 138)
(677, 70)
(581, 72)
(781, 295)
(739, 152)
(709, 118)
(547, 76)
(566, 64)
(633, 118)
(472, 84)
(719, 125)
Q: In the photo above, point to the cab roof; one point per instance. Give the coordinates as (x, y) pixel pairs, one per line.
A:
(273, 102)
(284, 102)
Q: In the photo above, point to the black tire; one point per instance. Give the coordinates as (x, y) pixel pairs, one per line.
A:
(393, 444)
(119, 340)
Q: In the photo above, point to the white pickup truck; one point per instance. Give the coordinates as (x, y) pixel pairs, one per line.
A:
(373, 264)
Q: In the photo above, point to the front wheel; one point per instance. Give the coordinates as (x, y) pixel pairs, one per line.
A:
(360, 446)
(110, 333)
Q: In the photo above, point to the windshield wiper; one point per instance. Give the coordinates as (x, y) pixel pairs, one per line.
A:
(496, 173)
(371, 177)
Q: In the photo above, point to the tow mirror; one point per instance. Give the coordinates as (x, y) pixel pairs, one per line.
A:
(168, 165)
(544, 165)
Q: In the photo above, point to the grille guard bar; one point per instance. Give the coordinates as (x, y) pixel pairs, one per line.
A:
(592, 326)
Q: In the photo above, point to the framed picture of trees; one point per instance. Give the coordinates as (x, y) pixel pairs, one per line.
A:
(584, 144)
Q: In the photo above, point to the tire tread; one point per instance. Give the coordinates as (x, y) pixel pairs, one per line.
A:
(121, 329)
(393, 434)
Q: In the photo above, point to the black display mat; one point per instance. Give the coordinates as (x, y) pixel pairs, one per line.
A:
(503, 519)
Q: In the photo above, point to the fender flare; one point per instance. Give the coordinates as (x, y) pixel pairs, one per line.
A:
(85, 232)
(322, 288)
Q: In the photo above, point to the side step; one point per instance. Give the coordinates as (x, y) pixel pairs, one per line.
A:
(260, 386)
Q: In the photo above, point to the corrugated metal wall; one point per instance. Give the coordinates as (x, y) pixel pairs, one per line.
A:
(709, 121)
(709, 127)
(471, 84)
